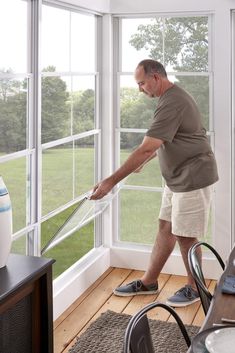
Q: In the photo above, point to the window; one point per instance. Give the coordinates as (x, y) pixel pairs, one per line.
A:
(49, 123)
(69, 114)
(15, 81)
(182, 45)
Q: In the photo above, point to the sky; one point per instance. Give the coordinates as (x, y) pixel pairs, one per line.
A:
(55, 42)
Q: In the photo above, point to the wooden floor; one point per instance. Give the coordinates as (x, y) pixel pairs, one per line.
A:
(99, 298)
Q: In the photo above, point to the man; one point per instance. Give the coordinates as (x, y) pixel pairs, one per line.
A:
(189, 168)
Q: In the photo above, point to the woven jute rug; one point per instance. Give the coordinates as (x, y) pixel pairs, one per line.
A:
(106, 334)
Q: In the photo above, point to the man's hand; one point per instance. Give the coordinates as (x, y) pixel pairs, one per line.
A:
(101, 189)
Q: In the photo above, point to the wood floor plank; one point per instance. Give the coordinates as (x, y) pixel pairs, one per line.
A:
(116, 303)
(79, 317)
(99, 298)
(67, 312)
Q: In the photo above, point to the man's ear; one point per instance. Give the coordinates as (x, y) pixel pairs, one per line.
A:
(156, 76)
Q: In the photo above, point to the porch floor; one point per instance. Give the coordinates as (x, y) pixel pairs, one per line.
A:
(99, 297)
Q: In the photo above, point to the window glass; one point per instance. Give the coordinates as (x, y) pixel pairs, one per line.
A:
(198, 87)
(13, 115)
(72, 248)
(83, 98)
(139, 216)
(13, 36)
(180, 44)
(82, 43)
(55, 38)
(19, 245)
(56, 107)
(14, 176)
(84, 165)
(136, 109)
(150, 174)
(57, 177)
(133, 53)
(185, 43)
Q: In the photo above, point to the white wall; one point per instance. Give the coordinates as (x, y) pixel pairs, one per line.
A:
(95, 5)
(145, 6)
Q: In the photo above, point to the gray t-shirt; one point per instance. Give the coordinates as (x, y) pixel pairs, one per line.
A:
(186, 160)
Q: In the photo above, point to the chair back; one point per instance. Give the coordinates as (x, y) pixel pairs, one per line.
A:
(141, 341)
(138, 337)
(197, 273)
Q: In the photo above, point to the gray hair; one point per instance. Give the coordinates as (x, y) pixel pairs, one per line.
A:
(152, 66)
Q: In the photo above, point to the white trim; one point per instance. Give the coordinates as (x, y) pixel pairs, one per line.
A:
(68, 139)
(67, 73)
(78, 278)
(68, 6)
(142, 188)
(171, 73)
(233, 125)
(5, 75)
(180, 13)
(15, 155)
(138, 260)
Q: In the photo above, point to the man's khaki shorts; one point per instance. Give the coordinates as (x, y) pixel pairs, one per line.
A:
(187, 211)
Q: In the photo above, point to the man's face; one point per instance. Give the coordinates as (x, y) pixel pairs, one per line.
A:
(148, 84)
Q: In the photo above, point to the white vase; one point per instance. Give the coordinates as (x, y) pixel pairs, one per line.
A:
(5, 224)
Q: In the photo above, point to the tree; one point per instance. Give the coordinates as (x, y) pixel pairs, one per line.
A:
(185, 42)
(13, 114)
(55, 107)
(181, 44)
(83, 110)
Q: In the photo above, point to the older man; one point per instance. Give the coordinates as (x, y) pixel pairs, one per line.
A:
(189, 169)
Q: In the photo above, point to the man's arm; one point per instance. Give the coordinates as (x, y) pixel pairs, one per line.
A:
(142, 165)
(134, 161)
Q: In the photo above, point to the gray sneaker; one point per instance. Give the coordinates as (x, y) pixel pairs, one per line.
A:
(136, 288)
(183, 297)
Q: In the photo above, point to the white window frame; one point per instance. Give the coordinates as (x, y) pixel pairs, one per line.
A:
(134, 255)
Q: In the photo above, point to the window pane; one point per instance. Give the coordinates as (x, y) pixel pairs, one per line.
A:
(82, 43)
(13, 115)
(84, 165)
(13, 36)
(76, 245)
(14, 175)
(132, 51)
(198, 87)
(137, 110)
(18, 246)
(180, 44)
(83, 103)
(57, 177)
(150, 175)
(139, 216)
(56, 108)
(186, 43)
(55, 38)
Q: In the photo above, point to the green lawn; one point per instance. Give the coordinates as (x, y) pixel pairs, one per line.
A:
(139, 209)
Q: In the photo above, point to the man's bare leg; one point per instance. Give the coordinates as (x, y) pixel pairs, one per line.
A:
(163, 247)
(185, 244)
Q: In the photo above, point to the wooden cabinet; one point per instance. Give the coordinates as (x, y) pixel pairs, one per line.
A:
(26, 309)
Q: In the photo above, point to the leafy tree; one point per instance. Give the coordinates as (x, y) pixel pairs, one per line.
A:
(83, 111)
(185, 42)
(181, 44)
(13, 114)
(55, 107)
(136, 112)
